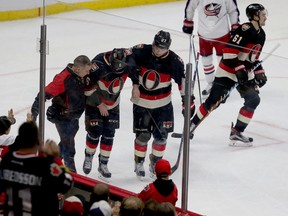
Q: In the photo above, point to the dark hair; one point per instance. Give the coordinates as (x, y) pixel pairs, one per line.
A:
(5, 124)
(28, 135)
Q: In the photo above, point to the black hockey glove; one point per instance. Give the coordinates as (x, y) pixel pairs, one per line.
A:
(260, 77)
(188, 26)
(53, 114)
(35, 109)
(192, 106)
(241, 74)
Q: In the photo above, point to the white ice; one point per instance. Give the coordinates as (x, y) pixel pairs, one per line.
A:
(222, 180)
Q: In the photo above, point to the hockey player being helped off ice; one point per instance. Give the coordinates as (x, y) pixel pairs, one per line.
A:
(109, 73)
(239, 57)
(152, 106)
(215, 20)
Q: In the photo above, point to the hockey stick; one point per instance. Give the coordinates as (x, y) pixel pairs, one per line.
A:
(196, 69)
(179, 135)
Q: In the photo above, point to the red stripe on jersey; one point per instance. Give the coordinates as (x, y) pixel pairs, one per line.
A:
(231, 51)
(107, 102)
(140, 147)
(158, 147)
(154, 97)
(106, 147)
(246, 113)
(226, 68)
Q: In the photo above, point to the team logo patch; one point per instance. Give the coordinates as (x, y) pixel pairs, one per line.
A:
(212, 9)
(245, 27)
(55, 170)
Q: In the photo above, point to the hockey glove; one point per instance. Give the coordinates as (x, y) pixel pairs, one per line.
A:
(188, 26)
(260, 77)
(192, 106)
(52, 114)
(241, 74)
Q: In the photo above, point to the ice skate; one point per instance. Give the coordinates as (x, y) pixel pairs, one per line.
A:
(87, 165)
(207, 90)
(237, 139)
(151, 168)
(139, 170)
(104, 173)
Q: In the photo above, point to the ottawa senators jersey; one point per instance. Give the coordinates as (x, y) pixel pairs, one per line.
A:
(243, 48)
(31, 184)
(156, 75)
(108, 82)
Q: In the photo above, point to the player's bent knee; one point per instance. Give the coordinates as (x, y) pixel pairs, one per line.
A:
(143, 137)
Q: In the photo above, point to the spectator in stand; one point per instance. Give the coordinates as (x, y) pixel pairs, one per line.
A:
(131, 206)
(100, 208)
(162, 189)
(166, 209)
(100, 191)
(68, 104)
(150, 208)
(215, 20)
(5, 138)
(73, 206)
(31, 181)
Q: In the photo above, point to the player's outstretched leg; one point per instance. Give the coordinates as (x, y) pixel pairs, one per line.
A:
(237, 139)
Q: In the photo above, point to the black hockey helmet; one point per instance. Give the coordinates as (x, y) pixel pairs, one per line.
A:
(162, 40)
(253, 10)
(118, 60)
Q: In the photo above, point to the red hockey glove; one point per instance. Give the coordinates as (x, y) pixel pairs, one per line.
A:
(188, 26)
(260, 77)
(241, 74)
(192, 106)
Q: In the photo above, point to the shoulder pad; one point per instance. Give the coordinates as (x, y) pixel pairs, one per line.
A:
(245, 27)
(139, 46)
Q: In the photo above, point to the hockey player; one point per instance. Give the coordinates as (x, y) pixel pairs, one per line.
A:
(214, 19)
(152, 107)
(32, 182)
(68, 104)
(110, 71)
(240, 57)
